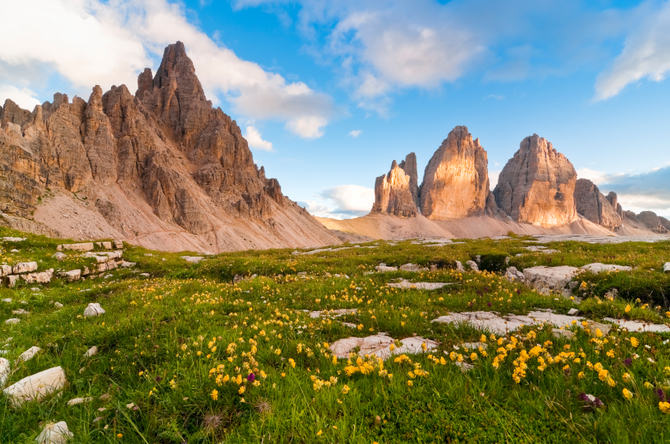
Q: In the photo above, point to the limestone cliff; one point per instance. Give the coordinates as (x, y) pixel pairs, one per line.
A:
(161, 168)
(456, 182)
(537, 185)
(594, 206)
(394, 193)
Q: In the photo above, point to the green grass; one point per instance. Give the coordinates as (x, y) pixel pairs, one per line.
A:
(164, 341)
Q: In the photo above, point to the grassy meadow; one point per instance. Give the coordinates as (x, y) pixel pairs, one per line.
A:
(188, 356)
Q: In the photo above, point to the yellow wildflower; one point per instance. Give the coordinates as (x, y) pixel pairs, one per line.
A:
(664, 406)
(627, 394)
(214, 394)
(634, 342)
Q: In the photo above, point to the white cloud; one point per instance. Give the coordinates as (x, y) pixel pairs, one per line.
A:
(493, 178)
(255, 140)
(342, 202)
(646, 54)
(597, 177)
(355, 133)
(91, 42)
(23, 97)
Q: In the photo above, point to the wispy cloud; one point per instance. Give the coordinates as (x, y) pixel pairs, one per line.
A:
(341, 202)
(355, 133)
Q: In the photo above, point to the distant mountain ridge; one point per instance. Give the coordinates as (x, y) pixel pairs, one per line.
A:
(161, 168)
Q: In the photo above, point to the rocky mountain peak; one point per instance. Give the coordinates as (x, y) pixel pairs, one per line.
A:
(594, 206)
(537, 185)
(393, 191)
(455, 182)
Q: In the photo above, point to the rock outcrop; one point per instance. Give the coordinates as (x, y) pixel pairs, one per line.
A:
(653, 222)
(594, 206)
(394, 193)
(161, 168)
(537, 185)
(455, 182)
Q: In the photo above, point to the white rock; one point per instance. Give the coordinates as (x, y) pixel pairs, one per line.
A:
(4, 371)
(43, 277)
(379, 345)
(5, 270)
(59, 256)
(93, 309)
(25, 267)
(107, 245)
(473, 265)
(549, 278)
(383, 268)
(29, 354)
(12, 321)
(37, 386)
(35, 289)
(91, 351)
(666, 267)
(192, 259)
(459, 267)
(599, 268)
(118, 244)
(512, 274)
(146, 275)
(573, 311)
(639, 326)
(20, 311)
(72, 275)
(125, 264)
(58, 305)
(412, 267)
(419, 285)
(57, 433)
(13, 239)
(86, 246)
(12, 279)
(76, 401)
(333, 313)
(7, 300)
(558, 333)
(486, 320)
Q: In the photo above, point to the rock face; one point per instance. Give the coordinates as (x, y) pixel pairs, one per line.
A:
(537, 185)
(594, 206)
(456, 182)
(394, 193)
(653, 222)
(161, 168)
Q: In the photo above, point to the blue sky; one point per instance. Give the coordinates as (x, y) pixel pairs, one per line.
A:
(330, 92)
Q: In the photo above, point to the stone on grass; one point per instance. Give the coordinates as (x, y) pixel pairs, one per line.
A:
(7, 300)
(192, 259)
(636, 326)
(5, 270)
(4, 371)
(594, 326)
(20, 311)
(146, 275)
(36, 387)
(558, 333)
(118, 244)
(597, 267)
(91, 351)
(12, 279)
(473, 265)
(12, 321)
(93, 309)
(459, 267)
(13, 239)
(512, 274)
(59, 256)
(107, 245)
(333, 313)
(666, 267)
(43, 277)
(25, 267)
(126, 264)
(465, 367)
(419, 285)
(28, 354)
(412, 267)
(72, 275)
(545, 279)
(379, 345)
(573, 311)
(86, 246)
(58, 305)
(76, 401)
(475, 345)
(57, 433)
(486, 320)
(383, 268)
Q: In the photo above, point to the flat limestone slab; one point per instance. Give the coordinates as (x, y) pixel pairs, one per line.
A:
(419, 285)
(36, 387)
(600, 268)
(552, 278)
(639, 326)
(380, 346)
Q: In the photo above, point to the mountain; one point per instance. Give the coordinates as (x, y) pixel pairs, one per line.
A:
(537, 185)
(396, 192)
(161, 168)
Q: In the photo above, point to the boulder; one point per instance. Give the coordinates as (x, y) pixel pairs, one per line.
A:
(12, 279)
(118, 244)
(379, 345)
(666, 267)
(91, 352)
(86, 246)
(459, 267)
(36, 387)
(28, 354)
(594, 206)
(25, 267)
(545, 279)
(4, 371)
(12, 321)
(93, 309)
(43, 277)
(107, 245)
(412, 267)
(72, 275)
(597, 267)
(473, 265)
(57, 433)
(393, 193)
(383, 268)
(512, 274)
(59, 256)
(537, 185)
(5, 270)
(455, 182)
